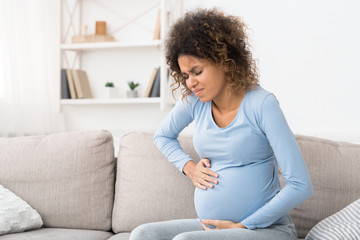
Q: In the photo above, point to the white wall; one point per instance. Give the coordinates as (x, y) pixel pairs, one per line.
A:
(309, 56)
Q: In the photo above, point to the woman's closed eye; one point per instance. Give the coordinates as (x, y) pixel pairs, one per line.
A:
(198, 72)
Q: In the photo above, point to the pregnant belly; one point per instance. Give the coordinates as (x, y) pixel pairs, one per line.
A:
(239, 193)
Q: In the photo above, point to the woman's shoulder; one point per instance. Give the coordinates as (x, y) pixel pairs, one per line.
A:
(257, 95)
(189, 101)
(257, 99)
(190, 104)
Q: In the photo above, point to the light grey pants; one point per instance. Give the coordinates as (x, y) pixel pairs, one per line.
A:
(191, 229)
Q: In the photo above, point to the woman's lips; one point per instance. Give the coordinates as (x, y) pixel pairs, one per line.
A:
(198, 91)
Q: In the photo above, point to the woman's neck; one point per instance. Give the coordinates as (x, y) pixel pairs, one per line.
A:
(229, 102)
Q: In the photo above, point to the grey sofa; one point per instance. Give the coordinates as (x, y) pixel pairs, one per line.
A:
(82, 192)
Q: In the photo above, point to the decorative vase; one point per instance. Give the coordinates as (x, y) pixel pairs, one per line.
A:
(111, 92)
(131, 93)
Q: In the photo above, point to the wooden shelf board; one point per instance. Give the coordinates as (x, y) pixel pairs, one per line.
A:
(108, 45)
(106, 101)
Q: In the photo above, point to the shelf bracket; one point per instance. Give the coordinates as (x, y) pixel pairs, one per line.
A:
(71, 13)
(129, 21)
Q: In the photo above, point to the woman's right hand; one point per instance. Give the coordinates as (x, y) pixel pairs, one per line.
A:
(200, 174)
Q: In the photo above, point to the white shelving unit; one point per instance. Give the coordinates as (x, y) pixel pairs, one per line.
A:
(72, 54)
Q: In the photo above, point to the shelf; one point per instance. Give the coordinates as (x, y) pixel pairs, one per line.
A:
(109, 60)
(109, 45)
(106, 101)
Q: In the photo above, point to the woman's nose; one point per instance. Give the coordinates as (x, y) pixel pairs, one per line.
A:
(191, 82)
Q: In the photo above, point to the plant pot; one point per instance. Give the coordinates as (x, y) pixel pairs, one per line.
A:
(111, 92)
(131, 93)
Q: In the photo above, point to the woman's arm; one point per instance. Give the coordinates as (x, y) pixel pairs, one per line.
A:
(298, 184)
(166, 136)
(166, 140)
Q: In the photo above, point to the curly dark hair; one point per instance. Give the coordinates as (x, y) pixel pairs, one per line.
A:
(210, 34)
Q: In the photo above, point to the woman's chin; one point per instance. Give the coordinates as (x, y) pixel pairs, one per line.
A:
(204, 99)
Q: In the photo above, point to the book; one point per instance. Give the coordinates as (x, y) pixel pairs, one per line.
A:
(157, 27)
(65, 91)
(155, 91)
(82, 85)
(71, 83)
(151, 83)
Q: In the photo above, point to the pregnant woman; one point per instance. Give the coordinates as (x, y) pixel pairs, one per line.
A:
(240, 134)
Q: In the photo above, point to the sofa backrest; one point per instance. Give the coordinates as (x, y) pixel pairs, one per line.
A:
(334, 171)
(149, 188)
(67, 177)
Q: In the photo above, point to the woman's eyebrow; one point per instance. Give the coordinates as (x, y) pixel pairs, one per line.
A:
(191, 70)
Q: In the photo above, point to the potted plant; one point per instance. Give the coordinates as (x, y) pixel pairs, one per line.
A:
(132, 92)
(111, 91)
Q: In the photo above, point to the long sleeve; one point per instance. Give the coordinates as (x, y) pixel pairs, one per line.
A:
(298, 186)
(166, 136)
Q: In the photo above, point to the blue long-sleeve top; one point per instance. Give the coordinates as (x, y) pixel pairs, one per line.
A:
(245, 154)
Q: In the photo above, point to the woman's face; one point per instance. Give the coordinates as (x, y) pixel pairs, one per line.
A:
(205, 80)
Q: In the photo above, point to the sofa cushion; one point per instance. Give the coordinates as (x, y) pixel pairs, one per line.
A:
(333, 168)
(67, 177)
(59, 234)
(344, 224)
(148, 187)
(121, 236)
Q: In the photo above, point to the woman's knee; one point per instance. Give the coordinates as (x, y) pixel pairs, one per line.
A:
(144, 232)
(186, 236)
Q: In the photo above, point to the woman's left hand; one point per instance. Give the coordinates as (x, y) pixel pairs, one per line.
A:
(220, 224)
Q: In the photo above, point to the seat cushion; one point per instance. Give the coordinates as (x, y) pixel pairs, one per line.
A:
(121, 236)
(68, 178)
(148, 187)
(58, 234)
(333, 168)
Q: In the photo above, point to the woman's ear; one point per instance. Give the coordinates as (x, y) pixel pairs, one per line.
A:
(227, 68)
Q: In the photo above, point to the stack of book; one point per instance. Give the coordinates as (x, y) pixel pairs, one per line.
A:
(74, 84)
(153, 87)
